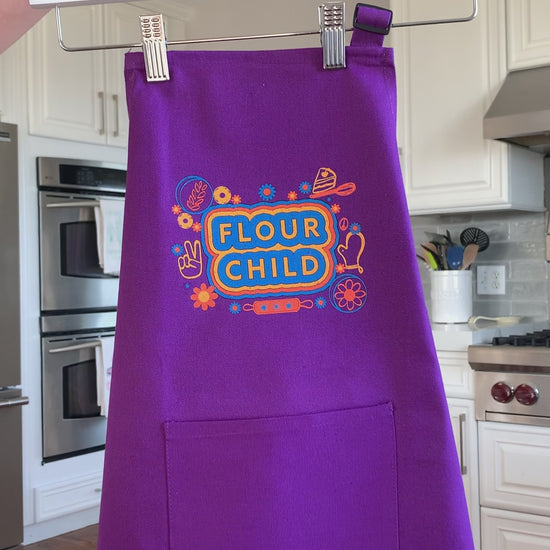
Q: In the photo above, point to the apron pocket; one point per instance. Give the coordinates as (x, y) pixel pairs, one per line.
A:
(314, 481)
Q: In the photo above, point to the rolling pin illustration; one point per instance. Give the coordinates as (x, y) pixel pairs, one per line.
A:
(280, 305)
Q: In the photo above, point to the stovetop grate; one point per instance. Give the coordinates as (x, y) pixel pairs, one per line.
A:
(539, 338)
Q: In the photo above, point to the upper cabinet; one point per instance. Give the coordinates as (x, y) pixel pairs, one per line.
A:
(80, 96)
(528, 31)
(447, 76)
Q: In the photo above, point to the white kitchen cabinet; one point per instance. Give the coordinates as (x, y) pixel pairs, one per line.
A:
(80, 96)
(514, 486)
(515, 467)
(457, 379)
(503, 530)
(465, 431)
(528, 33)
(447, 76)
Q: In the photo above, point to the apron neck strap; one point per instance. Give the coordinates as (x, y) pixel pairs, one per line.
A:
(370, 25)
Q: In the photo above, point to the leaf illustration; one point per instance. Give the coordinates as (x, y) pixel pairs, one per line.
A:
(196, 198)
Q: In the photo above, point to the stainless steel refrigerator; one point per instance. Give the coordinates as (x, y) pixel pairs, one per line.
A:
(11, 399)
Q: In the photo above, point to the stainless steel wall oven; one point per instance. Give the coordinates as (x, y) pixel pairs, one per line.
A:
(77, 300)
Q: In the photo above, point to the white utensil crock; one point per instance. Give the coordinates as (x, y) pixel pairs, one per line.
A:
(451, 296)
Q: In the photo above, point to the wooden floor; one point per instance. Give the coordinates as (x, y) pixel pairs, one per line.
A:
(83, 539)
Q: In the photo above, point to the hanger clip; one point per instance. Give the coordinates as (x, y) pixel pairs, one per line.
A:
(153, 41)
(333, 32)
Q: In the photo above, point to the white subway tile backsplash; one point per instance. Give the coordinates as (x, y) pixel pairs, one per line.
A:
(517, 241)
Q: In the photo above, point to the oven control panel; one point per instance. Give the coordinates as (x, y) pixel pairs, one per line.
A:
(512, 397)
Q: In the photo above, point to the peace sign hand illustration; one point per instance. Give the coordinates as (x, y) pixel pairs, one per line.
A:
(190, 262)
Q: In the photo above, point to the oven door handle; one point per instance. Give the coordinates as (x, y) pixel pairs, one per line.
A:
(73, 204)
(75, 347)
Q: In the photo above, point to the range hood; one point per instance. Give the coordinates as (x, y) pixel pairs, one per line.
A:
(520, 113)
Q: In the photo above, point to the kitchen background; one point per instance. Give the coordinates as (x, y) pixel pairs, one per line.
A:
(454, 178)
(518, 242)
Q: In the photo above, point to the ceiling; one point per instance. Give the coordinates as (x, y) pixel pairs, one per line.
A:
(16, 18)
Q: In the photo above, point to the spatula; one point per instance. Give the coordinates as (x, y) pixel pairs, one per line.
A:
(470, 253)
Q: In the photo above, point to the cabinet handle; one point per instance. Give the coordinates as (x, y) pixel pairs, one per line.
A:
(16, 401)
(101, 96)
(462, 429)
(116, 130)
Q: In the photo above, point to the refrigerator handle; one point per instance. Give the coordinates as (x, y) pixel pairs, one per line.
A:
(14, 401)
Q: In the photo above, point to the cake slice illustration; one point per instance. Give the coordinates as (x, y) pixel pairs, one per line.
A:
(325, 184)
(325, 180)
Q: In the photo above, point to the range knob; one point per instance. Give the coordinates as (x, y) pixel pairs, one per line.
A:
(526, 395)
(502, 392)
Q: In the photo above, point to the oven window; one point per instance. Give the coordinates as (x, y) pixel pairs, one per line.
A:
(79, 250)
(80, 390)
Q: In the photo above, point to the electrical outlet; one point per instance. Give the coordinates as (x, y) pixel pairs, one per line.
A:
(491, 279)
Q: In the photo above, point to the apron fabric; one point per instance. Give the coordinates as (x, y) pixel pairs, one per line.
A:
(275, 384)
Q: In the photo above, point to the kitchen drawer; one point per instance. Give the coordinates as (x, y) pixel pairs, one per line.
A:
(457, 374)
(503, 530)
(514, 463)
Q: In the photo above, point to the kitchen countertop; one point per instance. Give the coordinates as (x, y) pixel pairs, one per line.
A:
(458, 336)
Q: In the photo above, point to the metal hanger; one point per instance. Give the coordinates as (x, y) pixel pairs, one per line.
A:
(332, 31)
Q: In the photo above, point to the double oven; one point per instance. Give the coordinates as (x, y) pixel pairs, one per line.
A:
(77, 300)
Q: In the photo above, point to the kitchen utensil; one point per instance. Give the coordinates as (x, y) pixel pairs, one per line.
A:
(438, 238)
(438, 250)
(476, 236)
(479, 319)
(470, 253)
(430, 258)
(455, 256)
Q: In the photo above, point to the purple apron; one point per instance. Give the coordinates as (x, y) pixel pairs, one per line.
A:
(275, 383)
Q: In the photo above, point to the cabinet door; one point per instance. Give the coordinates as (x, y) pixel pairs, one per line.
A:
(446, 76)
(503, 530)
(528, 33)
(465, 432)
(66, 90)
(515, 467)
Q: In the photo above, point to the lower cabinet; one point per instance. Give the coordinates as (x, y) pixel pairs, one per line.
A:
(504, 530)
(514, 486)
(458, 381)
(465, 432)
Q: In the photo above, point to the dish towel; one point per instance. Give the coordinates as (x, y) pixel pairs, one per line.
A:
(275, 383)
(109, 219)
(104, 366)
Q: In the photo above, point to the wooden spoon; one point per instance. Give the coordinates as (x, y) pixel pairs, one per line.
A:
(470, 253)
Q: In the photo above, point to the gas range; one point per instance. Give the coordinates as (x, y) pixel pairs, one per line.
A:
(511, 378)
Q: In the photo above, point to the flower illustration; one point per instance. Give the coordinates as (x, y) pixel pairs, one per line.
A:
(185, 220)
(236, 199)
(354, 228)
(292, 196)
(340, 268)
(176, 209)
(321, 302)
(335, 208)
(267, 192)
(305, 187)
(204, 297)
(235, 308)
(222, 195)
(177, 250)
(197, 227)
(350, 294)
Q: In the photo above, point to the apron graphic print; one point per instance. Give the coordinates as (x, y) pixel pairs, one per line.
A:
(272, 256)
